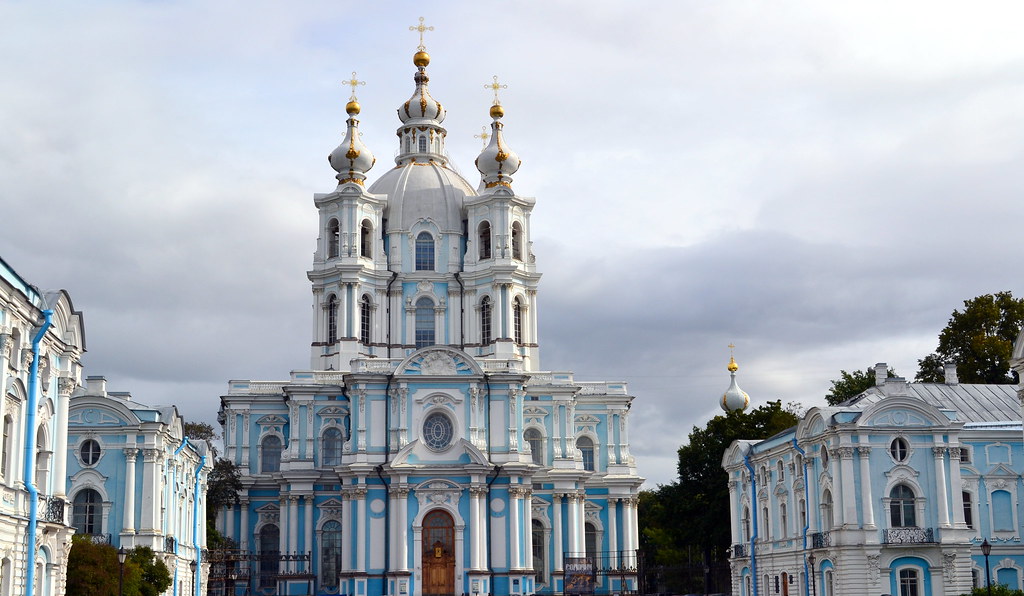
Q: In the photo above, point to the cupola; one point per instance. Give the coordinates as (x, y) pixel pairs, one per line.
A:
(352, 159)
(734, 398)
(497, 162)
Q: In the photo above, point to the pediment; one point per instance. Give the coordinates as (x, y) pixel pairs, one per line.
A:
(333, 412)
(898, 418)
(441, 361)
(269, 508)
(96, 416)
(331, 503)
(1001, 470)
(272, 420)
(587, 419)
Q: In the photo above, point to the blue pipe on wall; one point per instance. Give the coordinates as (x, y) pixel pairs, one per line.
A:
(30, 458)
(195, 527)
(174, 482)
(807, 516)
(753, 521)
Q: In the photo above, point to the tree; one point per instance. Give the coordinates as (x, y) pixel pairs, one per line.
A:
(93, 570)
(201, 431)
(155, 578)
(979, 340)
(852, 384)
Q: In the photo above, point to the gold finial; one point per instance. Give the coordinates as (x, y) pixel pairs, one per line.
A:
(483, 135)
(733, 367)
(421, 28)
(494, 86)
(352, 107)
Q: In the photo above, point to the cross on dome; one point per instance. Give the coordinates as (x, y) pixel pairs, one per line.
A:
(421, 28)
(494, 86)
(483, 135)
(353, 82)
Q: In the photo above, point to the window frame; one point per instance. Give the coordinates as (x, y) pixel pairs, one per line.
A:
(588, 454)
(424, 329)
(89, 511)
(902, 508)
(331, 447)
(332, 319)
(365, 320)
(485, 321)
(90, 457)
(535, 439)
(366, 239)
(484, 240)
(517, 320)
(265, 462)
(333, 238)
(899, 450)
(425, 257)
(517, 241)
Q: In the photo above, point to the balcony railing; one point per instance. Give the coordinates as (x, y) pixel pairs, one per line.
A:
(908, 536)
(169, 544)
(51, 509)
(99, 538)
(739, 550)
(821, 539)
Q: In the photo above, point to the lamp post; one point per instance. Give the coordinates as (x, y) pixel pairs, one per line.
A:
(813, 575)
(195, 584)
(121, 556)
(986, 549)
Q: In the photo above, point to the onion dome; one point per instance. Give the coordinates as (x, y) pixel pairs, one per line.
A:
(351, 159)
(734, 398)
(421, 105)
(497, 162)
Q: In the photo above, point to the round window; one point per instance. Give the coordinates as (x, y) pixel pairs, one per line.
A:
(899, 449)
(90, 452)
(437, 431)
(824, 456)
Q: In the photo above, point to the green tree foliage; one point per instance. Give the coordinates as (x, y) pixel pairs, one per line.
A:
(997, 590)
(695, 510)
(979, 340)
(93, 570)
(222, 486)
(852, 384)
(201, 431)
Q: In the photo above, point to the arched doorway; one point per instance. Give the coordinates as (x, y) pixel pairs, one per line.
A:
(438, 554)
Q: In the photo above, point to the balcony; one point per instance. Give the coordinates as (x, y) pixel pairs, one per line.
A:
(99, 538)
(169, 544)
(908, 536)
(821, 539)
(739, 551)
(51, 509)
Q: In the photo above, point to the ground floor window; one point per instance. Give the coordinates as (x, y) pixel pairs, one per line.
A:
(909, 583)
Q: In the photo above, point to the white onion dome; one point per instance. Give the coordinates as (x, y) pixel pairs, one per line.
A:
(421, 106)
(351, 159)
(734, 398)
(497, 162)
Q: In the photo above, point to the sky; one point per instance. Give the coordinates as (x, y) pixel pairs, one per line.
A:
(818, 183)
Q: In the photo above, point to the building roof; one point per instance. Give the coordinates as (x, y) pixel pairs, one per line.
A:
(972, 402)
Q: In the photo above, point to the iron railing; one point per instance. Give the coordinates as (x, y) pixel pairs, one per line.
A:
(51, 509)
(821, 539)
(99, 538)
(169, 544)
(908, 536)
(739, 550)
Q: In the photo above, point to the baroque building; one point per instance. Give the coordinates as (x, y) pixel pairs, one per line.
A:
(891, 492)
(42, 339)
(425, 451)
(136, 480)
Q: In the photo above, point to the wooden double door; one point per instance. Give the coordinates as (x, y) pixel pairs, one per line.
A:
(438, 554)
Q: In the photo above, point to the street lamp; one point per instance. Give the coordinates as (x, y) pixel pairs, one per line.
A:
(121, 556)
(195, 584)
(814, 582)
(986, 549)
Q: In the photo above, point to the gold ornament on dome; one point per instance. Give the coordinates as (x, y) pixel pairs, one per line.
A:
(733, 367)
(421, 28)
(483, 136)
(353, 82)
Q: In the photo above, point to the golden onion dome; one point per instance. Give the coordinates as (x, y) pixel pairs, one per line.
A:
(421, 58)
(352, 107)
(497, 111)
(733, 367)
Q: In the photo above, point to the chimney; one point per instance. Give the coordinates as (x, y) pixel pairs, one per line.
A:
(881, 373)
(96, 385)
(950, 371)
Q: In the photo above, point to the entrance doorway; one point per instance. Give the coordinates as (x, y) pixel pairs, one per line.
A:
(438, 554)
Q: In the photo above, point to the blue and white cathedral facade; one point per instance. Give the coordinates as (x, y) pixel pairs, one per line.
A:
(425, 451)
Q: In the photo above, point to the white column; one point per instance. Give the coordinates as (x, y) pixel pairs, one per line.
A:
(308, 542)
(243, 530)
(557, 529)
(734, 513)
(360, 494)
(956, 483)
(150, 499)
(475, 495)
(865, 483)
(838, 500)
(613, 531)
(346, 531)
(394, 529)
(129, 490)
(282, 536)
(528, 528)
(939, 455)
(811, 494)
(514, 528)
(65, 385)
(628, 511)
(403, 529)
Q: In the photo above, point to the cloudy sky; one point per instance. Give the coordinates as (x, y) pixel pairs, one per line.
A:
(820, 183)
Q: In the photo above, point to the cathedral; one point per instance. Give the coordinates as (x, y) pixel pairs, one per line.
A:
(425, 450)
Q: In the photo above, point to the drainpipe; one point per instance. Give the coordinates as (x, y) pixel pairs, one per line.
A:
(387, 294)
(195, 525)
(462, 312)
(170, 499)
(30, 458)
(807, 517)
(753, 521)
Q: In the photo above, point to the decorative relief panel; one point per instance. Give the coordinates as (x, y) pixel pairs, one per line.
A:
(438, 492)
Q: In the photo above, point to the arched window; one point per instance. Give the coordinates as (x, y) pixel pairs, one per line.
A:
(330, 554)
(42, 460)
(424, 322)
(87, 512)
(270, 458)
(424, 252)
(968, 510)
(901, 507)
(484, 236)
(5, 458)
(826, 511)
(783, 521)
(365, 310)
(331, 443)
(824, 457)
(538, 550)
(423, 143)
(270, 544)
(517, 241)
(517, 320)
(766, 526)
(802, 512)
(366, 239)
(333, 238)
(485, 321)
(746, 523)
(909, 583)
(332, 319)
(536, 442)
(899, 449)
(586, 447)
(782, 470)
(590, 540)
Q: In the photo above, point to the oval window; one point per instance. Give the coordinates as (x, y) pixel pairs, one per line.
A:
(437, 431)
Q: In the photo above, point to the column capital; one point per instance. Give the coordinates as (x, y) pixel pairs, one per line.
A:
(130, 453)
(954, 453)
(150, 455)
(939, 452)
(864, 451)
(844, 452)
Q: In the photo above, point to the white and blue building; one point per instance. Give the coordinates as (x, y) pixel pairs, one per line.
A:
(134, 479)
(891, 492)
(42, 339)
(425, 451)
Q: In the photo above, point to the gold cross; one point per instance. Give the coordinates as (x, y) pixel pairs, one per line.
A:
(353, 82)
(421, 28)
(494, 86)
(483, 135)
(731, 347)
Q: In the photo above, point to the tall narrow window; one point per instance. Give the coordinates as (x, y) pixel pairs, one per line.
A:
(366, 239)
(87, 512)
(826, 511)
(270, 555)
(802, 512)
(586, 447)
(423, 143)
(517, 241)
(783, 521)
(331, 447)
(746, 523)
(517, 320)
(485, 321)
(782, 470)
(590, 542)
(332, 319)
(330, 554)
(333, 238)
(5, 459)
(270, 460)
(536, 442)
(908, 582)
(484, 240)
(408, 144)
(365, 310)
(968, 510)
(901, 507)
(766, 526)
(538, 550)
(424, 323)
(1002, 511)
(424, 252)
